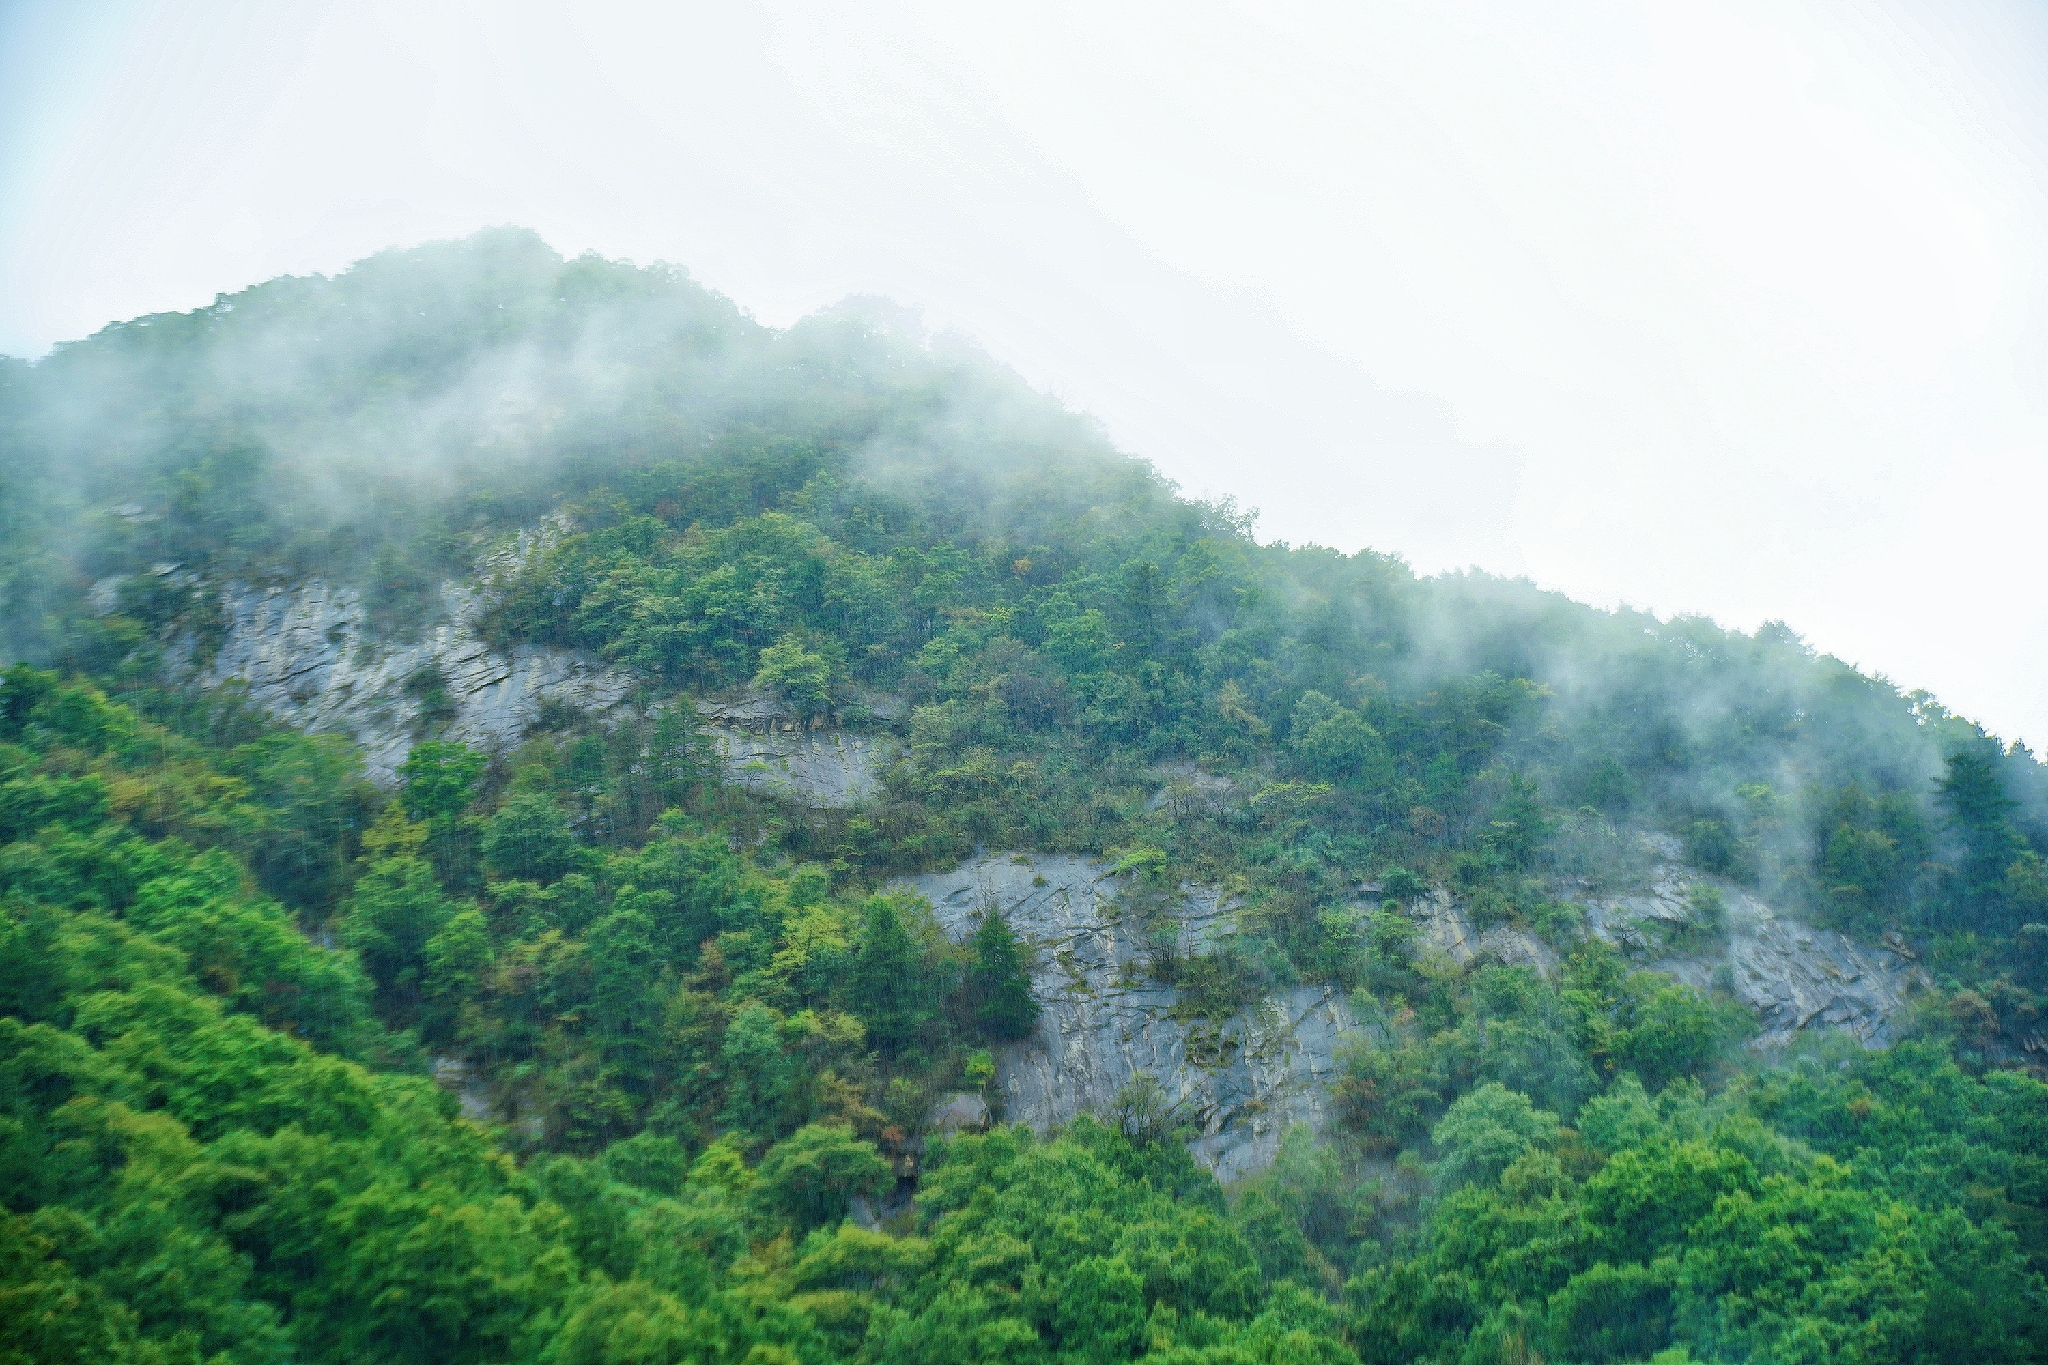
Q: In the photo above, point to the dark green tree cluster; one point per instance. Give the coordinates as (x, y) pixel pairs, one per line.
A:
(1827, 1211)
(655, 977)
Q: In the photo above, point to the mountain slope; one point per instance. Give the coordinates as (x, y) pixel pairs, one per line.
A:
(682, 654)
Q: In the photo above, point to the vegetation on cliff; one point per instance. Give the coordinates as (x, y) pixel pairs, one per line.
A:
(698, 1034)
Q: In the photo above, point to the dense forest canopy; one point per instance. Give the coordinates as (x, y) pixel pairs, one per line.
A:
(227, 959)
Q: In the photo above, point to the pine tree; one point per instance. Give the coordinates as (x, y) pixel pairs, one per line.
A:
(998, 983)
(891, 989)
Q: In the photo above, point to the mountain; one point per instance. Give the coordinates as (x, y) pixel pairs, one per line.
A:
(546, 819)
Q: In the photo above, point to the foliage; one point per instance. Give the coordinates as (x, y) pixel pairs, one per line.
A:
(181, 1179)
(849, 507)
(699, 1033)
(1712, 1224)
(998, 982)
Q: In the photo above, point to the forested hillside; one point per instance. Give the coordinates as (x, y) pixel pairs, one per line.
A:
(700, 1029)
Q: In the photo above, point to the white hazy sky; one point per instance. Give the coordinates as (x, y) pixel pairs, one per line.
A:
(1734, 308)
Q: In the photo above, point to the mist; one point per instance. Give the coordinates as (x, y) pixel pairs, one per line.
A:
(1733, 313)
(390, 425)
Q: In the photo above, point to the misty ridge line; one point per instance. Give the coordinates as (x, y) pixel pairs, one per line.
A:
(389, 424)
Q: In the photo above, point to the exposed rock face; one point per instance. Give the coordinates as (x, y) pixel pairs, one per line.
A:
(768, 748)
(1445, 930)
(1793, 975)
(1245, 1080)
(461, 1080)
(485, 1103)
(307, 658)
(830, 768)
(960, 1112)
(1242, 1081)
(1187, 790)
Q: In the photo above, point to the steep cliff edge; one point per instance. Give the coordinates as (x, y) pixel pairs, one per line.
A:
(1790, 974)
(308, 656)
(766, 747)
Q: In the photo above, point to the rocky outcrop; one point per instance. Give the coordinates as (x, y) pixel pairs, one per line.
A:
(769, 748)
(456, 1076)
(1187, 790)
(828, 769)
(960, 1112)
(308, 657)
(1445, 930)
(1241, 1082)
(482, 1102)
(1794, 976)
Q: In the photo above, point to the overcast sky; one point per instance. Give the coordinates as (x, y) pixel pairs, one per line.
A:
(1723, 307)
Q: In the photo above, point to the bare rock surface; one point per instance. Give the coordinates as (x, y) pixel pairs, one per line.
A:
(768, 748)
(1445, 930)
(307, 658)
(829, 768)
(960, 1112)
(1242, 1082)
(1793, 975)
(1186, 790)
(460, 1079)
(485, 1102)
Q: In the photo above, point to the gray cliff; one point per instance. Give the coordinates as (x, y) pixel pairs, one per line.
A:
(1792, 975)
(1241, 1082)
(307, 657)
(767, 747)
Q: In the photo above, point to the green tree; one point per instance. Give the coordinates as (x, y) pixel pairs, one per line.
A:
(1670, 1030)
(454, 961)
(811, 1177)
(636, 1324)
(1980, 818)
(760, 1077)
(1485, 1132)
(1385, 1093)
(891, 987)
(529, 838)
(997, 981)
(1099, 1311)
(1608, 1313)
(441, 780)
(1335, 744)
(395, 910)
(801, 677)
